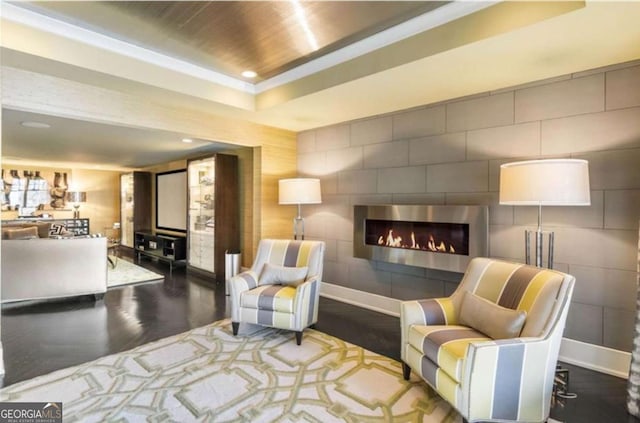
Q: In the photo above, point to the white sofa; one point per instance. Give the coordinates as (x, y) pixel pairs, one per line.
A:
(44, 268)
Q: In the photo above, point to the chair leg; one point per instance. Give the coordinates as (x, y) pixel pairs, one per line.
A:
(406, 371)
(234, 327)
(299, 337)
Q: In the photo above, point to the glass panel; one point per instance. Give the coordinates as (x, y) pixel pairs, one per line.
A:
(449, 238)
(126, 209)
(201, 180)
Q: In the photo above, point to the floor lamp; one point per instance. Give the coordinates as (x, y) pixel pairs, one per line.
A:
(551, 182)
(299, 191)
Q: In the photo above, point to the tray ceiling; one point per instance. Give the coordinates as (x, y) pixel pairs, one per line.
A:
(268, 37)
(372, 58)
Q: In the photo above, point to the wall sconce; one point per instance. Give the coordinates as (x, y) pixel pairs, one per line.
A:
(551, 182)
(76, 197)
(299, 191)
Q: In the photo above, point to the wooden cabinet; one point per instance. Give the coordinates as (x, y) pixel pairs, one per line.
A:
(170, 247)
(135, 205)
(214, 221)
(167, 248)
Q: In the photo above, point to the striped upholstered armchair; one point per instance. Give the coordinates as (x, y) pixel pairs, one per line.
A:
(490, 349)
(282, 287)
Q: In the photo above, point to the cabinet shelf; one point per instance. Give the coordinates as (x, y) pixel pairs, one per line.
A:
(171, 249)
(213, 198)
(135, 203)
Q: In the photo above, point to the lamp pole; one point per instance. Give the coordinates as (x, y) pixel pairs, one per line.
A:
(298, 222)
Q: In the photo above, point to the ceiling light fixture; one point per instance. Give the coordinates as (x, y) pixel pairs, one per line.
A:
(34, 124)
(187, 140)
(249, 74)
(302, 20)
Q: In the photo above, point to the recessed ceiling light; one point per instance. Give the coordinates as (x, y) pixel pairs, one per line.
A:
(249, 74)
(34, 124)
(187, 140)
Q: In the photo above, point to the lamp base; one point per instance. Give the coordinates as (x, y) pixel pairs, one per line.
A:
(298, 228)
(540, 236)
(76, 212)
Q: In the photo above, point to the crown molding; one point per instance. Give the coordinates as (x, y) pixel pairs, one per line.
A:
(15, 13)
(416, 25)
(404, 30)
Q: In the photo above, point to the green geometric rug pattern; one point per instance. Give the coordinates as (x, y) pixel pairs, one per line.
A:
(261, 375)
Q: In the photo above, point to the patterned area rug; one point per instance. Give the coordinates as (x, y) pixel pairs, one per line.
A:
(126, 273)
(261, 375)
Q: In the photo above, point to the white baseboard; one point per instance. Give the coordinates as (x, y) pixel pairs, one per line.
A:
(593, 357)
(362, 299)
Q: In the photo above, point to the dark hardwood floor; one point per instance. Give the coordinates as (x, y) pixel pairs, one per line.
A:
(42, 337)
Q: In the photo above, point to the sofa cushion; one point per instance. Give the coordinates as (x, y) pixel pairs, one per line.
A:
(5, 231)
(29, 232)
(269, 298)
(446, 346)
(272, 274)
(489, 318)
(43, 228)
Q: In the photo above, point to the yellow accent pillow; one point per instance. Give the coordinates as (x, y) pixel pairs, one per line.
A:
(281, 275)
(493, 320)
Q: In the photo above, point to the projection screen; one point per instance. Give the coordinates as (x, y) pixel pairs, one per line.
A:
(171, 200)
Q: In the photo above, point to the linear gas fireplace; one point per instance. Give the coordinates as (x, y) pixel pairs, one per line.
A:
(436, 237)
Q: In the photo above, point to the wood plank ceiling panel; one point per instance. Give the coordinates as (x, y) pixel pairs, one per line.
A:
(232, 36)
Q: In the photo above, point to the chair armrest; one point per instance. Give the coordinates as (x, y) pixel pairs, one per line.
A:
(432, 311)
(244, 281)
(237, 285)
(306, 302)
(518, 371)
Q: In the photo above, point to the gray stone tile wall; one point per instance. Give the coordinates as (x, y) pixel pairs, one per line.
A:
(450, 153)
(441, 148)
(419, 123)
(566, 98)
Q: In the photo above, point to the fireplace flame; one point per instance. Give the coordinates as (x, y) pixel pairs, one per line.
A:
(435, 237)
(396, 241)
(392, 241)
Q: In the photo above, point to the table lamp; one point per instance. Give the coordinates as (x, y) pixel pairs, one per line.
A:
(76, 197)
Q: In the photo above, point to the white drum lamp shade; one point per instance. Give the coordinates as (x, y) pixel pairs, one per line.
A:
(552, 182)
(299, 191)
